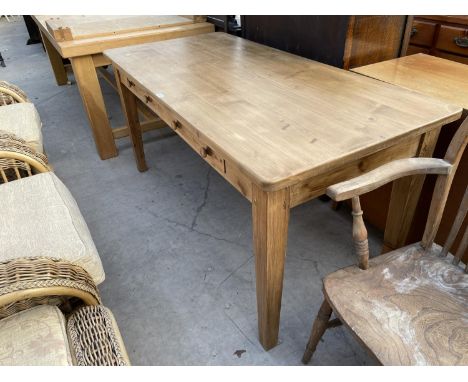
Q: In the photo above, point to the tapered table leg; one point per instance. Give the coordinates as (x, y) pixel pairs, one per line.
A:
(270, 212)
(93, 101)
(130, 109)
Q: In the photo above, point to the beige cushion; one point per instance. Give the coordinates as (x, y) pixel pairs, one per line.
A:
(35, 337)
(22, 120)
(39, 217)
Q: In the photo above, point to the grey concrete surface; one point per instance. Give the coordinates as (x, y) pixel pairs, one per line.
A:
(176, 241)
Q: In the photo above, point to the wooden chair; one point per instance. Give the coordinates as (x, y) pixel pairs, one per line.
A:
(408, 306)
(18, 159)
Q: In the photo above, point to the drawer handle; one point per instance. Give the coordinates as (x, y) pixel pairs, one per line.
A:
(130, 83)
(413, 31)
(462, 42)
(148, 99)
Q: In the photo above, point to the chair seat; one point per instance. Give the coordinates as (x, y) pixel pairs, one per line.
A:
(35, 337)
(39, 217)
(409, 308)
(22, 120)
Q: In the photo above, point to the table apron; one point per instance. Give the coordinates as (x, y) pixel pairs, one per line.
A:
(301, 191)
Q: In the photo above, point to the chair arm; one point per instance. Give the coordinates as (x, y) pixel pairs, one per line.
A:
(387, 173)
(17, 156)
(30, 281)
(11, 94)
(95, 338)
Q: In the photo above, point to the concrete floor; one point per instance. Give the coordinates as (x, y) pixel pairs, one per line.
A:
(176, 241)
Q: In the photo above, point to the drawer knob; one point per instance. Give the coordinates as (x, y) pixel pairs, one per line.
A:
(148, 99)
(413, 31)
(130, 83)
(204, 151)
(462, 42)
(176, 124)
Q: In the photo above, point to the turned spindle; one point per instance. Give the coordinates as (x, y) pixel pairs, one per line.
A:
(361, 244)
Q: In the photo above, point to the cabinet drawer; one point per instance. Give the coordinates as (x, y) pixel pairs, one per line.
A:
(452, 57)
(422, 33)
(453, 39)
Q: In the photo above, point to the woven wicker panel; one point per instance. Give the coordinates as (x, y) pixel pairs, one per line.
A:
(94, 339)
(41, 272)
(11, 94)
(13, 169)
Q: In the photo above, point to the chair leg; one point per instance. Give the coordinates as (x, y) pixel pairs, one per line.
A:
(319, 327)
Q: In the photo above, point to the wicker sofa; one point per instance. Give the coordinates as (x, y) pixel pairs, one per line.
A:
(50, 308)
(21, 144)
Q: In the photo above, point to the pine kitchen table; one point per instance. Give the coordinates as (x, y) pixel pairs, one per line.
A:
(278, 127)
(82, 39)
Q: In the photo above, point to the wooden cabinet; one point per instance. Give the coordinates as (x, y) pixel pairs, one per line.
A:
(442, 36)
(342, 41)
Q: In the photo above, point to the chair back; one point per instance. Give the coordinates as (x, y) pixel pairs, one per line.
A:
(439, 199)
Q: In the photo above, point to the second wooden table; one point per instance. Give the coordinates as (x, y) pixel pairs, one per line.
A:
(83, 38)
(278, 127)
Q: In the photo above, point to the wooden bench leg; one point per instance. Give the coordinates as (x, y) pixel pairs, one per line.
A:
(93, 101)
(270, 212)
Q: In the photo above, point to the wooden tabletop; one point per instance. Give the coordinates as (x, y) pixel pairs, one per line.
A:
(82, 35)
(434, 76)
(280, 117)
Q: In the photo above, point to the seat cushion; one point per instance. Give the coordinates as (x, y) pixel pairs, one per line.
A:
(39, 217)
(22, 120)
(35, 337)
(409, 308)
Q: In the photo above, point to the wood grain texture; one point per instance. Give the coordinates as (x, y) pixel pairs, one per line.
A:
(438, 78)
(373, 39)
(98, 43)
(299, 116)
(443, 184)
(93, 101)
(404, 198)
(434, 76)
(87, 26)
(385, 174)
(409, 307)
(56, 62)
(130, 109)
(270, 217)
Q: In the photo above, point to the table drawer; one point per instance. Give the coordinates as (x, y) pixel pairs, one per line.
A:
(188, 134)
(422, 33)
(453, 39)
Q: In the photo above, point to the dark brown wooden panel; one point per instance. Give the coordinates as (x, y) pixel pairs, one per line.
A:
(320, 38)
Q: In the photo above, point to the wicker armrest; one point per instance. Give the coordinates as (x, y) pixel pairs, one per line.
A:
(31, 281)
(11, 94)
(95, 339)
(18, 159)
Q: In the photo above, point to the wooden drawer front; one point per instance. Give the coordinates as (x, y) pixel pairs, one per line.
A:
(422, 33)
(453, 39)
(210, 154)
